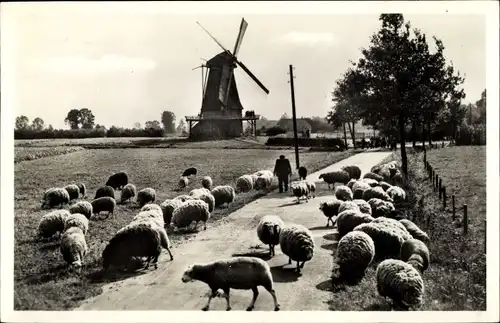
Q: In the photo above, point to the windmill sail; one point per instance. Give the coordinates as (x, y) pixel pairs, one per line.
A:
(237, 45)
(224, 82)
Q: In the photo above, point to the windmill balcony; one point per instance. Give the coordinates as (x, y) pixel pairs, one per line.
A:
(222, 117)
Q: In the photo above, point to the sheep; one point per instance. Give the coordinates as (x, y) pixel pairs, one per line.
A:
(151, 215)
(300, 189)
(82, 207)
(199, 191)
(105, 191)
(190, 211)
(103, 204)
(375, 169)
(351, 183)
(297, 242)
(335, 177)
(374, 176)
(82, 189)
(207, 198)
(396, 193)
(152, 207)
(236, 273)
(52, 223)
(364, 206)
(168, 207)
(156, 225)
(385, 186)
(312, 188)
(117, 181)
(376, 192)
(330, 209)
(302, 173)
(359, 188)
(386, 172)
(343, 193)
(129, 191)
(415, 231)
(350, 219)
(264, 180)
(398, 179)
(264, 172)
(223, 194)
(206, 182)
(400, 282)
(381, 208)
(355, 252)
(371, 182)
(353, 171)
(189, 172)
(244, 184)
(73, 191)
(416, 253)
(146, 195)
(77, 220)
(183, 197)
(73, 246)
(183, 183)
(56, 196)
(268, 231)
(348, 205)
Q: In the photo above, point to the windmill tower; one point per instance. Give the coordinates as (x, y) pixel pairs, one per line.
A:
(221, 113)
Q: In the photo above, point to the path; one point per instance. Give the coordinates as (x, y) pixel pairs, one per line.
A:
(162, 289)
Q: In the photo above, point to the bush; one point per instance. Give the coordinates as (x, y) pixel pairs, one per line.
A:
(335, 143)
(275, 130)
(86, 133)
(469, 135)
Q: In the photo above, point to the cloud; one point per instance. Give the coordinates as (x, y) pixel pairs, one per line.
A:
(104, 64)
(308, 38)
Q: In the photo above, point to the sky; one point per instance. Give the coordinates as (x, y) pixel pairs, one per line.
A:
(129, 65)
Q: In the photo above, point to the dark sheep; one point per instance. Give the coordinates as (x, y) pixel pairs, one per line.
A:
(105, 191)
(302, 172)
(117, 181)
(190, 171)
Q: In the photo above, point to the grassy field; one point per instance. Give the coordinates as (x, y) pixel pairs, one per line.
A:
(41, 281)
(456, 277)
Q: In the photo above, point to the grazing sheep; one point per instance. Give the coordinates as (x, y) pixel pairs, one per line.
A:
(381, 208)
(385, 186)
(77, 220)
(207, 198)
(56, 196)
(376, 192)
(264, 172)
(400, 282)
(330, 209)
(348, 205)
(353, 171)
(82, 207)
(355, 252)
(151, 215)
(152, 207)
(343, 193)
(244, 184)
(335, 177)
(312, 189)
(82, 189)
(297, 242)
(183, 183)
(199, 191)
(52, 223)
(359, 188)
(371, 182)
(190, 211)
(350, 219)
(105, 191)
(183, 197)
(268, 231)
(153, 223)
(73, 247)
(415, 231)
(146, 195)
(129, 191)
(396, 193)
(117, 181)
(236, 273)
(206, 182)
(264, 180)
(103, 204)
(416, 253)
(364, 206)
(168, 207)
(300, 189)
(189, 172)
(73, 191)
(302, 173)
(374, 176)
(223, 194)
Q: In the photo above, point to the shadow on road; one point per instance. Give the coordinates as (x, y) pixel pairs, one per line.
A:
(320, 227)
(284, 275)
(289, 204)
(325, 286)
(330, 246)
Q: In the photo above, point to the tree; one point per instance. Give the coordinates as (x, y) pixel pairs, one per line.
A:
(481, 108)
(38, 124)
(86, 119)
(181, 128)
(22, 122)
(168, 121)
(137, 125)
(73, 118)
(155, 124)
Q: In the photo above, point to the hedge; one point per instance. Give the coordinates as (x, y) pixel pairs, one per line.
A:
(86, 133)
(336, 143)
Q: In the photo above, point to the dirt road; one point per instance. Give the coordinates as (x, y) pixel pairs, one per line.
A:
(162, 289)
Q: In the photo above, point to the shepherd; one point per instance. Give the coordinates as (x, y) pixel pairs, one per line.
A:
(282, 170)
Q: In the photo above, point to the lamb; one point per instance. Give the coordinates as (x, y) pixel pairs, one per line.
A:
(330, 209)
(400, 282)
(348, 205)
(103, 204)
(56, 196)
(183, 183)
(73, 246)
(335, 177)
(236, 273)
(77, 220)
(168, 207)
(264, 180)
(415, 231)
(146, 195)
(105, 191)
(82, 189)
(244, 184)
(376, 192)
(117, 181)
(312, 189)
(364, 206)
(82, 207)
(183, 197)
(129, 191)
(381, 208)
(350, 219)
(223, 194)
(297, 242)
(73, 191)
(302, 173)
(189, 172)
(416, 253)
(343, 193)
(206, 197)
(353, 171)
(190, 211)
(359, 188)
(52, 223)
(355, 252)
(300, 189)
(374, 176)
(206, 182)
(268, 231)
(396, 193)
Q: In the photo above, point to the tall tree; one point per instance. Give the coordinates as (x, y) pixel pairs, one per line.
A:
(137, 125)
(168, 121)
(182, 126)
(38, 124)
(87, 119)
(73, 118)
(155, 124)
(22, 122)
(481, 108)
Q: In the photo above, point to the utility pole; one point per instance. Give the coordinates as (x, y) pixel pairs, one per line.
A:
(294, 116)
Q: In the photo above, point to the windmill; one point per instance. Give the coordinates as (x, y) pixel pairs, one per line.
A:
(221, 110)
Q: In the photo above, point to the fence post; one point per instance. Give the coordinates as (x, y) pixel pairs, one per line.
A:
(444, 197)
(440, 187)
(437, 181)
(425, 157)
(453, 206)
(465, 220)
(485, 240)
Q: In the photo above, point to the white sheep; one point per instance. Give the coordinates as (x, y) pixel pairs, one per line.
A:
(244, 184)
(264, 180)
(152, 215)
(129, 191)
(343, 193)
(146, 195)
(376, 192)
(73, 246)
(330, 209)
(415, 231)
(348, 205)
(396, 193)
(416, 253)
(268, 231)
(55, 196)
(223, 194)
(359, 188)
(237, 273)
(300, 189)
(168, 207)
(355, 252)
(183, 182)
(77, 220)
(103, 204)
(190, 211)
(52, 223)
(381, 208)
(371, 182)
(199, 191)
(183, 197)
(206, 197)
(350, 219)
(73, 191)
(156, 225)
(385, 186)
(83, 189)
(297, 242)
(312, 188)
(82, 207)
(206, 182)
(351, 183)
(364, 206)
(331, 178)
(153, 207)
(374, 176)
